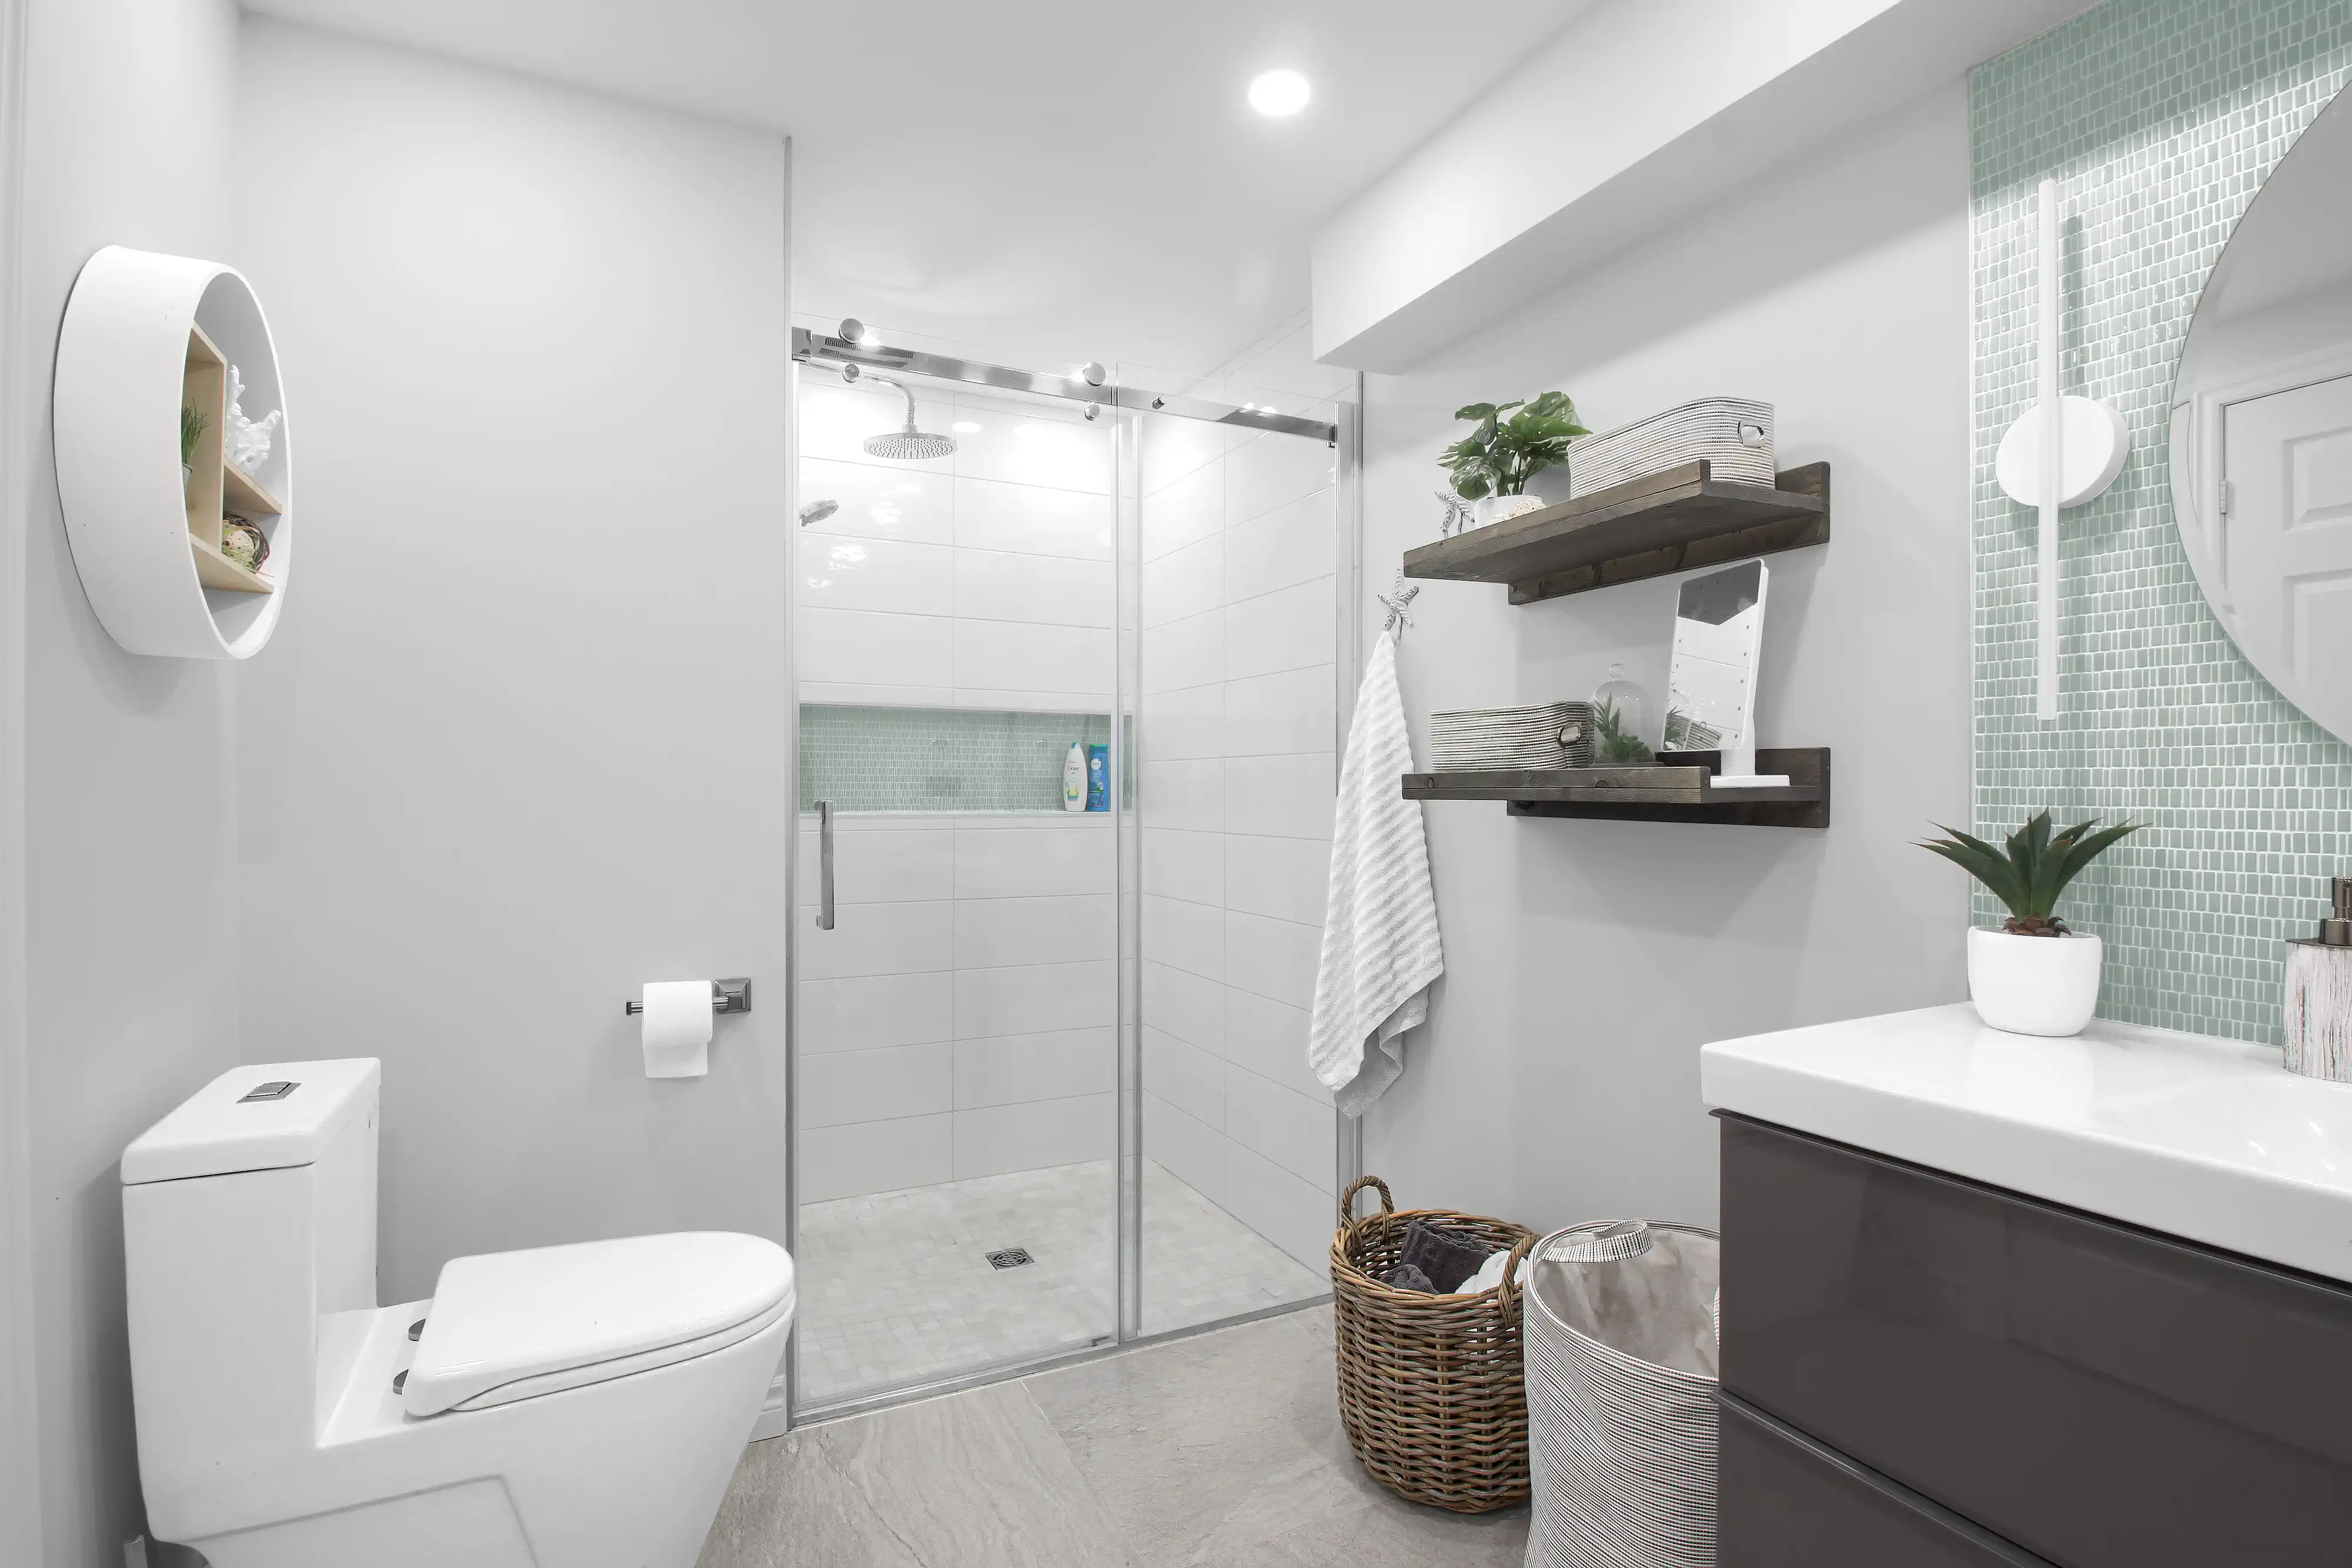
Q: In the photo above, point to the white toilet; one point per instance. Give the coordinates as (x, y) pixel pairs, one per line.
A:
(576, 1406)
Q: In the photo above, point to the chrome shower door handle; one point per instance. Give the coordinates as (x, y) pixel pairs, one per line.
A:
(824, 865)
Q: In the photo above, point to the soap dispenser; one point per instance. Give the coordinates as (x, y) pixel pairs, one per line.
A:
(2320, 993)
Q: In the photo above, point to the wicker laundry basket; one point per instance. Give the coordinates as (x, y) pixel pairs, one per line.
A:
(1431, 1388)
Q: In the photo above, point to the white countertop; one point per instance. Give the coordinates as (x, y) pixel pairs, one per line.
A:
(2209, 1139)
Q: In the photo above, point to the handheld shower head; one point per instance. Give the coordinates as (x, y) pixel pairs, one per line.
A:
(817, 511)
(909, 442)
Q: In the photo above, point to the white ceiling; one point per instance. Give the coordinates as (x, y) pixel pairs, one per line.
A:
(1038, 179)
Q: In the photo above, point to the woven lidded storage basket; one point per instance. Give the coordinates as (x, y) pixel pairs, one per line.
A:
(1431, 1388)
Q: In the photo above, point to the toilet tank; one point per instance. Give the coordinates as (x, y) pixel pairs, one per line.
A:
(249, 1216)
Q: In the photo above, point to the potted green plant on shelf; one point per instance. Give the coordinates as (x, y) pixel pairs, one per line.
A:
(192, 430)
(1492, 464)
(2031, 975)
(1614, 742)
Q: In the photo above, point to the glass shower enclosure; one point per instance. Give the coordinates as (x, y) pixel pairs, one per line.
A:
(1072, 655)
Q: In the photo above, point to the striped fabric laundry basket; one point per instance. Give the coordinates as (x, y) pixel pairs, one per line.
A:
(1621, 1337)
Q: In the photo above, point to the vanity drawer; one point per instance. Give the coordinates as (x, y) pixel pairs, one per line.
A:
(1787, 1502)
(2099, 1395)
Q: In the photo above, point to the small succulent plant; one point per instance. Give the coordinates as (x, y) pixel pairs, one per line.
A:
(1613, 744)
(2032, 868)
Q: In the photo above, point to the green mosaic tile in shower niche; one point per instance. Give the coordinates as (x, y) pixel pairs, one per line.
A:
(2159, 119)
(938, 759)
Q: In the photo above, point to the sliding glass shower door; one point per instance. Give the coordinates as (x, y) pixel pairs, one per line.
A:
(1065, 697)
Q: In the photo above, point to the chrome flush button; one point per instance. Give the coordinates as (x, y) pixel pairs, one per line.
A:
(275, 1089)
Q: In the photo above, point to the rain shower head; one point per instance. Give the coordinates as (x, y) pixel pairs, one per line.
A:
(909, 442)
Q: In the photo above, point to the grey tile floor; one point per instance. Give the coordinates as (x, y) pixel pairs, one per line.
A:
(897, 1289)
(1222, 1450)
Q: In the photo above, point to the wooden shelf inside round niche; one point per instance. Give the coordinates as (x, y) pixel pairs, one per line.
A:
(146, 335)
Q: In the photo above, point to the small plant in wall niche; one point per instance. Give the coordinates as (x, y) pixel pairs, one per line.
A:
(1514, 443)
(193, 426)
(2032, 975)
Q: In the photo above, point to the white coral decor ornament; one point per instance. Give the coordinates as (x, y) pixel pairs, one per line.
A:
(248, 442)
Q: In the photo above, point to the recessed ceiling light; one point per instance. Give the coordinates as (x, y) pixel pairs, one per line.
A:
(1277, 93)
(966, 427)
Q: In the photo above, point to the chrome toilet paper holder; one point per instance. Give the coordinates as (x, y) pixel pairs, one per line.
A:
(726, 997)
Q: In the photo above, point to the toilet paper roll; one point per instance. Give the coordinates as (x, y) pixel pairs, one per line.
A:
(676, 1029)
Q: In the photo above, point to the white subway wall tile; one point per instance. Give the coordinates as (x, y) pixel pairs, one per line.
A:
(875, 1157)
(1179, 725)
(878, 503)
(1194, 1153)
(1273, 957)
(837, 573)
(1289, 879)
(864, 648)
(1288, 629)
(1027, 863)
(1175, 447)
(1184, 1005)
(1184, 582)
(1010, 1069)
(1294, 1213)
(994, 933)
(880, 939)
(1286, 712)
(997, 585)
(876, 1010)
(1191, 508)
(881, 1083)
(878, 865)
(1280, 797)
(1289, 545)
(1032, 446)
(1036, 1134)
(1185, 935)
(1269, 1038)
(1031, 520)
(1036, 999)
(1021, 657)
(1183, 794)
(1273, 471)
(1190, 1078)
(1287, 367)
(1177, 864)
(1297, 1133)
(1188, 652)
(853, 694)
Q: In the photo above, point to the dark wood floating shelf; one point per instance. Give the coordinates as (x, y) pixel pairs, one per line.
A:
(1681, 789)
(1665, 522)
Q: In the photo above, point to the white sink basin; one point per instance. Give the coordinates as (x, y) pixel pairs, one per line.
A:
(2209, 1139)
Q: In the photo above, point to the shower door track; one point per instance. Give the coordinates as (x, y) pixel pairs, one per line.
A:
(810, 346)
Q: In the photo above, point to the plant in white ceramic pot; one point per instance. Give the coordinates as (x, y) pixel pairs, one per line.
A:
(1492, 464)
(2032, 975)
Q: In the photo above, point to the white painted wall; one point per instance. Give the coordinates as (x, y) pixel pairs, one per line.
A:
(521, 744)
(132, 951)
(1586, 962)
(1239, 546)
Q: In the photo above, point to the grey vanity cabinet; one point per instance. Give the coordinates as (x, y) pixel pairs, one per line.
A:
(1903, 1350)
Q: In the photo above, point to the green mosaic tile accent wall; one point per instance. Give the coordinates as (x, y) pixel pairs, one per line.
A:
(938, 759)
(2159, 119)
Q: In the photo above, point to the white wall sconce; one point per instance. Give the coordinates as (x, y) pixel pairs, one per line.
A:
(2062, 452)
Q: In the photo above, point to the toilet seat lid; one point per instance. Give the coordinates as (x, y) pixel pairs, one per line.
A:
(503, 1317)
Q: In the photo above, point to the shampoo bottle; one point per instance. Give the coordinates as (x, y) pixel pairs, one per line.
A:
(1098, 778)
(1074, 778)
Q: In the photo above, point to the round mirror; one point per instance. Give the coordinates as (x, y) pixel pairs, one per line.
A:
(2261, 428)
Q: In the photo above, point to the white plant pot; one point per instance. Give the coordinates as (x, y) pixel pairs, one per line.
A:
(2033, 985)
(1488, 509)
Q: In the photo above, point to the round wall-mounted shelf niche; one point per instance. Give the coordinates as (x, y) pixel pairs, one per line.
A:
(147, 337)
